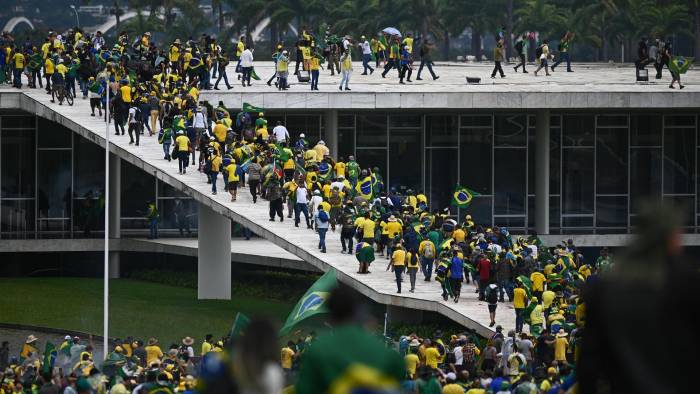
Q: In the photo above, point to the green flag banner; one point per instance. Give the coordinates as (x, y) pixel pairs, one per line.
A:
(247, 107)
(680, 64)
(313, 302)
(527, 285)
(462, 196)
(50, 354)
(240, 324)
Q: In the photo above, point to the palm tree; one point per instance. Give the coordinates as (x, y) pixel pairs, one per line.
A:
(541, 16)
(670, 19)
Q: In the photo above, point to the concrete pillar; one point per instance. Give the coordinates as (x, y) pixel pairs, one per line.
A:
(330, 125)
(115, 208)
(542, 141)
(213, 255)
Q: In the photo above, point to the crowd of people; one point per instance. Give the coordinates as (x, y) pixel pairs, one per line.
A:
(155, 93)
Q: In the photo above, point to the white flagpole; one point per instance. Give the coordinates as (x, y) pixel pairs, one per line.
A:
(105, 319)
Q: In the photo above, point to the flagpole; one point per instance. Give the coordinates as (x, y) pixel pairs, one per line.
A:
(105, 316)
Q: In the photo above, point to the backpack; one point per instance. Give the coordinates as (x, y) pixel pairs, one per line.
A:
(429, 251)
(492, 295)
(519, 46)
(323, 216)
(207, 167)
(538, 52)
(560, 46)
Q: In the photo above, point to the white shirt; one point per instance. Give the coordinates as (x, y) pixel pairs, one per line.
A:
(301, 195)
(533, 251)
(199, 120)
(338, 184)
(366, 50)
(346, 44)
(247, 58)
(315, 200)
(281, 133)
(458, 355)
(132, 115)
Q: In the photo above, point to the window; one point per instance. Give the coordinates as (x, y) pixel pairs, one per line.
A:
(53, 135)
(441, 176)
(17, 163)
(371, 130)
(475, 159)
(310, 125)
(611, 211)
(577, 181)
(509, 182)
(578, 130)
(406, 159)
(645, 130)
(441, 130)
(510, 130)
(54, 194)
(138, 187)
(645, 176)
(611, 161)
(679, 161)
(89, 167)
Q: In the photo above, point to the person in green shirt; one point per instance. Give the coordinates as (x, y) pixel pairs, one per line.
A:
(348, 356)
(152, 216)
(564, 52)
(394, 55)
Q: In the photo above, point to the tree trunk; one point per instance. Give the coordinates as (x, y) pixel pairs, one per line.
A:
(446, 45)
(424, 29)
(476, 44)
(509, 29)
(116, 14)
(696, 25)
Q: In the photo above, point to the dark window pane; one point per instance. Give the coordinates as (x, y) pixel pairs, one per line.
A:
(555, 121)
(531, 121)
(480, 209)
(138, 187)
(18, 122)
(578, 130)
(679, 161)
(645, 176)
(510, 130)
(406, 158)
(577, 221)
(370, 158)
(612, 121)
(53, 135)
(686, 206)
(53, 228)
(509, 221)
(405, 121)
(554, 212)
(346, 142)
(645, 130)
(679, 120)
(441, 130)
(611, 212)
(531, 160)
(554, 161)
(171, 210)
(577, 181)
(88, 217)
(509, 181)
(475, 159)
(89, 169)
(165, 190)
(346, 120)
(54, 195)
(310, 125)
(611, 157)
(371, 130)
(476, 121)
(441, 176)
(531, 211)
(17, 217)
(17, 155)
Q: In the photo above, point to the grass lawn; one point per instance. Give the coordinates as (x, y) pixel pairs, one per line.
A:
(139, 309)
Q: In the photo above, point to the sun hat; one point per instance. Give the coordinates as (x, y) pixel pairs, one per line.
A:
(562, 333)
(31, 339)
(152, 341)
(392, 218)
(552, 371)
(414, 343)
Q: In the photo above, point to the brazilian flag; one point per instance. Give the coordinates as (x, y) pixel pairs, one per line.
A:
(254, 75)
(325, 172)
(364, 188)
(50, 354)
(247, 107)
(312, 303)
(462, 196)
(680, 64)
(527, 285)
(240, 324)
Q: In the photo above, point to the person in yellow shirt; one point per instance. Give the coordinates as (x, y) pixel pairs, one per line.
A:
(432, 355)
(153, 352)
(339, 168)
(398, 263)
(287, 358)
(412, 265)
(206, 345)
(367, 226)
(536, 318)
(18, 61)
(232, 178)
(314, 66)
(459, 235)
(560, 345)
(537, 279)
(408, 41)
(519, 304)
(411, 359)
(125, 91)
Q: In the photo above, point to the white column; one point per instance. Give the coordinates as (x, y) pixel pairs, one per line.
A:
(542, 140)
(115, 207)
(330, 126)
(213, 255)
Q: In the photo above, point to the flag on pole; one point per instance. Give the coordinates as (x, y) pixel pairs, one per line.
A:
(679, 64)
(527, 285)
(247, 107)
(240, 324)
(313, 302)
(364, 188)
(50, 354)
(462, 196)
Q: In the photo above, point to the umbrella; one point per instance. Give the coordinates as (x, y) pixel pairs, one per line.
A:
(392, 31)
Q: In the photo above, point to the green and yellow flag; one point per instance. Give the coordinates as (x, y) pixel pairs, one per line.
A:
(247, 107)
(50, 354)
(240, 324)
(680, 64)
(313, 302)
(462, 196)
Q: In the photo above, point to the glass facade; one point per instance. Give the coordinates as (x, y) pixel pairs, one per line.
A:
(602, 165)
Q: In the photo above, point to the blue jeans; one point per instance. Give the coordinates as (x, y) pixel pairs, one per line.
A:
(166, 150)
(153, 228)
(314, 79)
(426, 266)
(346, 79)
(426, 63)
(70, 85)
(365, 63)
(298, 209)
(17, 81)
(398, 271)
(563, 56)
(213, 176)
(223, 75)
(507, 286)
(322, 238)
(519, 319)
(214, 69)
(83, 86)
(246, 232)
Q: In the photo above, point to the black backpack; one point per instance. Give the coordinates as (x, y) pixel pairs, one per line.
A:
(519, 46)
(538, 52)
